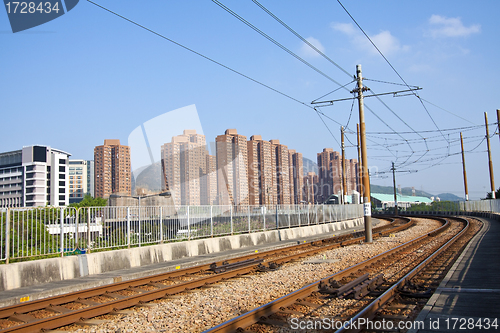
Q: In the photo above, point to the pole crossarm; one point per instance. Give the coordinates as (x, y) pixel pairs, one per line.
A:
(394, 93)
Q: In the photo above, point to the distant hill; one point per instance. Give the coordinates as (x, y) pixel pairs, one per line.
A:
(449, 197)
(309, 166)
(404, 191)
(149, 179)
(408, 191)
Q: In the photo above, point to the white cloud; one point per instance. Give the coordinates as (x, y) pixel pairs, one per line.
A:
(451, 27)
(346, 28)
(385, 41)
(308, 51)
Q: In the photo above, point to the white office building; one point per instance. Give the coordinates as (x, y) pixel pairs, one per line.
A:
(34, 176)
(81, 179)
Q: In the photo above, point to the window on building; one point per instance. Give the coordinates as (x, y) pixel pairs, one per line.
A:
(39, 154)
(62, 161)
(62, 183)
(62, 168)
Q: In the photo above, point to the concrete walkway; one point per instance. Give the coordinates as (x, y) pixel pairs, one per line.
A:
(468, 299)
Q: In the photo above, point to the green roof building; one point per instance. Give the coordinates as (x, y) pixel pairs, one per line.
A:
(383, 201)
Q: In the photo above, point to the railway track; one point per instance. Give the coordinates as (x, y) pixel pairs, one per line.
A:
(389, 288)
(77, 307)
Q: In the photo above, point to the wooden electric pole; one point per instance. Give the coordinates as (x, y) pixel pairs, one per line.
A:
(498, 122)
(463, 163)
(362, 142)
(344, 185)
(395, 193)
(364, 156)
(360, 166)
(490, 162)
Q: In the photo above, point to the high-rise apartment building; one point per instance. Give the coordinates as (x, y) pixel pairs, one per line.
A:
(81, 179)
(330, 174)
(310, 187)
(261, 172)
(253, 170)
(112, 173)
(232, 168)
(282, 172)
(211, 180)
(34, 176)
(296, 176)
(186, 164)
(352, 175)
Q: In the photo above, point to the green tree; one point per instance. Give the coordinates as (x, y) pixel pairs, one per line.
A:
(497, 195)
(89, 201)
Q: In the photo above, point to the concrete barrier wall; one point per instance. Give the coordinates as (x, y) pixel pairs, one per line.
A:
(23, 274)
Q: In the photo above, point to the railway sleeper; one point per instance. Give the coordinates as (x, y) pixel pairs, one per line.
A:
(226, 266)
(272, 322)
(366, 287)
(325, 288)
(271, 267)
(22, 318)
(357, 288)
(412, 290)
(58, 309)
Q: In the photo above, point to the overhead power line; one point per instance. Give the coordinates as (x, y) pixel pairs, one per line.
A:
(301, 38)
(272, 40)
(388, 62)
(319, 113)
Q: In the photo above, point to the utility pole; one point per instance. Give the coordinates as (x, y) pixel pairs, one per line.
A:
(395, 193)
(344, 189)
(366, 179)
(463, 163)
(498, 122)
(360, 166)
(492, 179)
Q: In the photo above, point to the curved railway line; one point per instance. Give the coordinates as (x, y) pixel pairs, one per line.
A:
(389, 288)
(79, 307)
(62, 310)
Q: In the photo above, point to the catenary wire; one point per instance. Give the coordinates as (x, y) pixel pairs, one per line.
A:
(388, 62)
(301, 38)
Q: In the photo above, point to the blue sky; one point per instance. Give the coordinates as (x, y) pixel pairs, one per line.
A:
(90, 75)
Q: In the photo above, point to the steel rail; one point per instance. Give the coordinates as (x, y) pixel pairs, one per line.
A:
(265, 310)
(122, 302)
(371, 309)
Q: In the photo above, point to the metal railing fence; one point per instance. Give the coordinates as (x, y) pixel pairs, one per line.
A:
(491, 206)
(48, 232)
(454, 207)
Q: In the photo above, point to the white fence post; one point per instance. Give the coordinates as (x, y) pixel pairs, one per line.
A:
(77, 223)
(264, 211)
(299, 210)
(308, 216)
(7, 237)
(88, 229)
(248, 208)
(62, 230)
(231, 218)
(211, 222)
(128, 227)
(161, 225)
(277, 218)
(189, 226)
